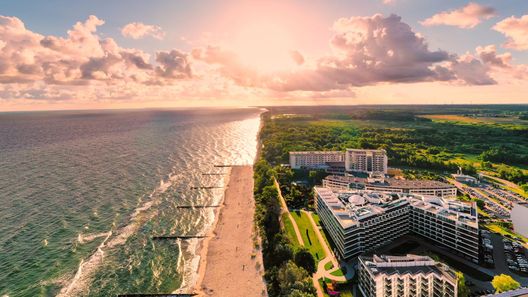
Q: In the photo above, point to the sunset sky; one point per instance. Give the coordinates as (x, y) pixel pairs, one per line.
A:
(63, 54)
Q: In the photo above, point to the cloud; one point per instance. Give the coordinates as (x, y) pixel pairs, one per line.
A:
(139, 30)
(80, 58)
(366, 51)
(516, 30)
(466, 17)
(297, 57)
(173, 64)
(501, 63)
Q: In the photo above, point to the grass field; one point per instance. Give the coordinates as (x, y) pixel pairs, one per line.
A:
(308, 234)
(288, 228)
(511, 122)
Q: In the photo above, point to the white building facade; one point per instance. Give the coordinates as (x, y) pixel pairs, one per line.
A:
(405, 276)
(366, 160)
(359, 221)
(315, 159)
(392, 185)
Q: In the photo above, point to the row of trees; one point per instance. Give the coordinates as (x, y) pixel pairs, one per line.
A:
(288, 270)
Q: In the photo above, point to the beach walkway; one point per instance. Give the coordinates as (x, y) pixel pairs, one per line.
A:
(233, 266)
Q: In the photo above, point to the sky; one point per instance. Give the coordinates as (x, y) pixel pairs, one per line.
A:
(63, 54)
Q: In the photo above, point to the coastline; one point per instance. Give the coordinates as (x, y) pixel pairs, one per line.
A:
(230, 264)
(199, 285)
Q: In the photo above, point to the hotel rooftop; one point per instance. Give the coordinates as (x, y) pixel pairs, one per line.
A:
(410, 264)
(352, 206)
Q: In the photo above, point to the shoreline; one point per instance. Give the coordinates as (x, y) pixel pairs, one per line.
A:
(197, 283)
(230, 263)
(203, 246)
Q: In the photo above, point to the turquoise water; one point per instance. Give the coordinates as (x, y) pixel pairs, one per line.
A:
(82, 193)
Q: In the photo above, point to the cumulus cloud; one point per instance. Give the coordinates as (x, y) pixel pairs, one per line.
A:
(465, 17)
(516, 31)
(501, 63)
(364, 51)
(80, 58)
(139, 30)
(367, 51)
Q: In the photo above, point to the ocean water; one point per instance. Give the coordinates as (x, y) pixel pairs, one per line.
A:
(82, 193)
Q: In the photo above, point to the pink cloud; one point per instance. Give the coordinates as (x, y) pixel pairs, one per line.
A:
(466, 17)
(139, 30)
(367, 51)
(516, 30)
(80, 58)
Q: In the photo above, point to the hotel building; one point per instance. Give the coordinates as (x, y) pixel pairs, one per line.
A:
(366, 160)
(315, 160)
(353, 160)
(391, 185)
(405, 276)
(359, 221)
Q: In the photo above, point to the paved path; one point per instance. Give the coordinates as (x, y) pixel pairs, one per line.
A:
(329, 256)
(285, 210)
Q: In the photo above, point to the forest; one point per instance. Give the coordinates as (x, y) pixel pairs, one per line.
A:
(412, 140)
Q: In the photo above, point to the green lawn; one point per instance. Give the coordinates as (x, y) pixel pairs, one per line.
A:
(288, 228)
(338, 272)
(329, 266)
(308, 235)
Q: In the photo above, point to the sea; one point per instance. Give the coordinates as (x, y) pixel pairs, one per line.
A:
(83, 194)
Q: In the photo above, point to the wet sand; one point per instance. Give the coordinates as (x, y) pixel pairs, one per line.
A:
(230, 265)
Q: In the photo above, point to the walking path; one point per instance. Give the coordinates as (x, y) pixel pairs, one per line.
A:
(285, 210)
(329, 256)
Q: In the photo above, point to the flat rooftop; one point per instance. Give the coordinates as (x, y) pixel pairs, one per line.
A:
(393, 182)
(317, 152)
(410, 264)
(350, 207)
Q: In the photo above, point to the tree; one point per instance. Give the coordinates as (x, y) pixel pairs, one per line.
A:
(294, 278)
(525, 187)
(503, 283)
(303, 258)
(463, 290)
(312, 175)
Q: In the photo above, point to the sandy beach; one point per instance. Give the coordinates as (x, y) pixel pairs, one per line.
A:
(230, 265)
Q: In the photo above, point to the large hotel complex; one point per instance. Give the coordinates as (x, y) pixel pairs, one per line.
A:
(359, 221)
(363, 210)
(405, 276)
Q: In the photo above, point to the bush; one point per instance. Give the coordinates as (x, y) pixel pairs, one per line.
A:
(503, 283)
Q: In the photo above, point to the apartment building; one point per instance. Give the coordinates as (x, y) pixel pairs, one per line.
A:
(405, 276)
(360, 221)
(391, 185)
(362, 160)
(315, 160)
